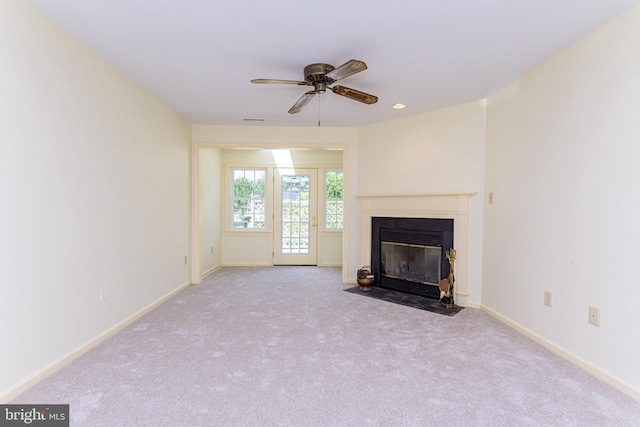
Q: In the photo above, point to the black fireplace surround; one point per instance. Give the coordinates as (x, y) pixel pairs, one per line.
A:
(417, 234)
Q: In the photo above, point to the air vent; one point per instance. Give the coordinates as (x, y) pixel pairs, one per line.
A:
(424, 238)
(397, 236)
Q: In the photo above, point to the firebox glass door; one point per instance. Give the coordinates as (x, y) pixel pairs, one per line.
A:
(296, 217)
(415, 263)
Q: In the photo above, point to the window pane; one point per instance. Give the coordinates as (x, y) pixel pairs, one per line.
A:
(295, 214)
(249, 191)
(334, 186)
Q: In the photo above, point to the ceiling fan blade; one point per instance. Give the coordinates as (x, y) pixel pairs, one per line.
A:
(347, 69)
(276, 81)
(302, 102)
(355, 94)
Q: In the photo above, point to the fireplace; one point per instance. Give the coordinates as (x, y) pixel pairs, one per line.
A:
(453, 207)
(408, 254)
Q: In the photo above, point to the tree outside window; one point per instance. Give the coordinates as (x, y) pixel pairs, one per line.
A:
(249, 192)
(334, 203)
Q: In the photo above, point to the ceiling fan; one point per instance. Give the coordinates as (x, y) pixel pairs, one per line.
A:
(320, 76)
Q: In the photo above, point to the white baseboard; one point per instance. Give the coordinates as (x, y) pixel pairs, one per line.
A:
(247, 264)
(58, 364)
(594, 370)
(474, 304)
(211, 270)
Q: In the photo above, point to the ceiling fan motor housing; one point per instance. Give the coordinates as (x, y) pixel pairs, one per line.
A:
(315, 74)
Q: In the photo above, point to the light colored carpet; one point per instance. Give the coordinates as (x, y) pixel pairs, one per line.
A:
(285, 346)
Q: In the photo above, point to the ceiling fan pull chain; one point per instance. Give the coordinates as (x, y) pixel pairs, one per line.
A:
(319, 100)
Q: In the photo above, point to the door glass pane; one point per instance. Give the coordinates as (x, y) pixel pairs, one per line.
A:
(295, 214)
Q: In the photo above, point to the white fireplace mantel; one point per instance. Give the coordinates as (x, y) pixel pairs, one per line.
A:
(447, 206)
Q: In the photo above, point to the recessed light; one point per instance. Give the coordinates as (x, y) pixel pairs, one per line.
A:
(398, 106)
(253, 120)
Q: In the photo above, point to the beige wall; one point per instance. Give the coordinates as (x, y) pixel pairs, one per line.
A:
(562, 153)
(273, 137)
(211, 205)
(94, 193)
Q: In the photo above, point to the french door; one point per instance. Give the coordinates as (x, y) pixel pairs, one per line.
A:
(295, 216)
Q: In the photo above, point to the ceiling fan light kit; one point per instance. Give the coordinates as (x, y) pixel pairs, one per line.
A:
(321, 76)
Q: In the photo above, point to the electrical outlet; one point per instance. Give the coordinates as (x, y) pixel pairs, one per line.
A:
(103, 294)
(186, 260)
(547, 298)
(211, 249)
(491, 198)
(594, 316)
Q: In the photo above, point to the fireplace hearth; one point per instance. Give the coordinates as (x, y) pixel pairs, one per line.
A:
(409, 254)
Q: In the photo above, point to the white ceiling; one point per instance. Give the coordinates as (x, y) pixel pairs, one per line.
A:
(198, 56)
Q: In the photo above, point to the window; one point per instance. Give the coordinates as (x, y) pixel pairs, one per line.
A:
(249, 192)
(333, 199)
